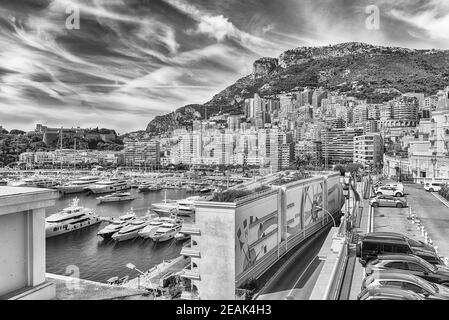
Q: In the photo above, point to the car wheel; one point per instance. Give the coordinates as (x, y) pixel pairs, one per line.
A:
(399, 205)
(431, 190)
(379, 193)
(397, 195)
(375, 205)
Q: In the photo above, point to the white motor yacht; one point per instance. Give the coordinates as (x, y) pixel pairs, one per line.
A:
(79, 185)
(130, 231)
(109, 186)
(116, 225)
(155, 223)
(117, 197)
(166, 232)
(36, 182)
(72, 218)
(183, 206)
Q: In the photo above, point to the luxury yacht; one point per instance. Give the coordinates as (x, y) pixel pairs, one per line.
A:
(80, 185)
(166, 232)
(111, 185)
(184, 206)
(154, 224)
(36, 182)
(130, 231)
(72, 218)
(117, 224)
(117, 197)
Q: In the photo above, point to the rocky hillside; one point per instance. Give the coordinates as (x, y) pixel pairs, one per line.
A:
(365, 71)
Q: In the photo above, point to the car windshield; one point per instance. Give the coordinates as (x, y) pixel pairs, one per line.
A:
(414, 243)
(426, 285)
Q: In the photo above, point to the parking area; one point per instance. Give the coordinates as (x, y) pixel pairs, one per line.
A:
(425, 206)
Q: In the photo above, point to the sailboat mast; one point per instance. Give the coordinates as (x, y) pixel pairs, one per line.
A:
(60, 138)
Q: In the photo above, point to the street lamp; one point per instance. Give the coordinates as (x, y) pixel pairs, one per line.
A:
(321, 208)
(133, 267)
(434, 162)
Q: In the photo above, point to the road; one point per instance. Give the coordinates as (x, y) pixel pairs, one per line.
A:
(433, 214)
(295, 279)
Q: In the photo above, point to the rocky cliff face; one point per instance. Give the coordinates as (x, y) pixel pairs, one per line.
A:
(264, 66)
(365, 71)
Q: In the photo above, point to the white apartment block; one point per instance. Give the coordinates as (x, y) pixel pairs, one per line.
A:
(368, 150)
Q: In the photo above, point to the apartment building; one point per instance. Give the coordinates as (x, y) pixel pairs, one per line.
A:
(368, 150)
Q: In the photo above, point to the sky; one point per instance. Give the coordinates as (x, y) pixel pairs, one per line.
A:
(131, 60)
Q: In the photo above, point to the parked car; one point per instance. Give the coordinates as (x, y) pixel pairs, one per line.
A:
(432, 186)
(388, 201)
(388, 293)
(390, 191)
(406, 281)
(411, 264)
(371, 245)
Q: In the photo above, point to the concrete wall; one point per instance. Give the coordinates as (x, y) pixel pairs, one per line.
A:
(22, 243)
(216, 245)
(13, 231)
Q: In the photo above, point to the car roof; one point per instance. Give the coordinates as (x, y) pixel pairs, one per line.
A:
(385, 235)
(399, 256)
(394, 275)
(390, 290)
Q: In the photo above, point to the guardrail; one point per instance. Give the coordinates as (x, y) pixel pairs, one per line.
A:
(346, 228)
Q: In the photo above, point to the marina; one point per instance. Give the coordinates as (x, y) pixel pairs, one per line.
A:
(101, 258)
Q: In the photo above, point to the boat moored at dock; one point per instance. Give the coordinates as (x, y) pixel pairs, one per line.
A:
(117, 224)
(117, 197)
(80, 185)
(73, 218)
(165, 232)
(130, 231)
(109, 186)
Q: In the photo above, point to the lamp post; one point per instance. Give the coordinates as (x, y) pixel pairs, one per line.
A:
(133, 267)
(434, 163)
(321, 208)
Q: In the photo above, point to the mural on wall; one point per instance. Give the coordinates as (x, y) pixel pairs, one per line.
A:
(249, 233)
(312, 203)
(294, 212)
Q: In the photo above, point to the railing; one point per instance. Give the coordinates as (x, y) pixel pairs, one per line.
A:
(346, 231)
(336, 280)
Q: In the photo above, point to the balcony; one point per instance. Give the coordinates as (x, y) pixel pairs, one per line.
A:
(190, 229)
(191, 273)
(191, 251)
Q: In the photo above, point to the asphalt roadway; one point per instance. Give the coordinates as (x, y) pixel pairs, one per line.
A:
(295, 278)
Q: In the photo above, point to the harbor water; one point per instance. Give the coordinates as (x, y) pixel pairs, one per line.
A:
(82, 253)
